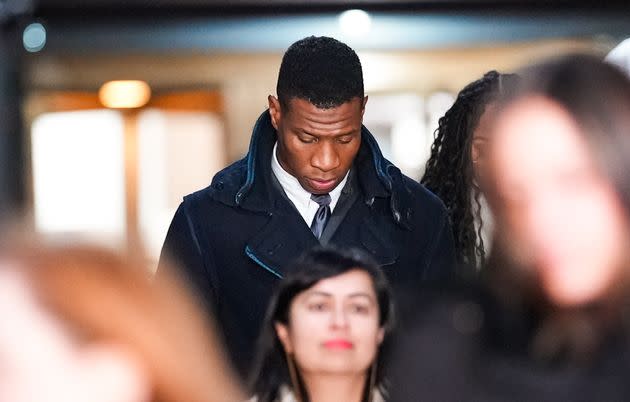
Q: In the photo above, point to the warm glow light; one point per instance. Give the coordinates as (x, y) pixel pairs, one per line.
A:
(124, 94)
(355, 22)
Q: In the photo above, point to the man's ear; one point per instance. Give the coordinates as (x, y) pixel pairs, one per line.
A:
(274, 111)
(365, 99)
(283, 334)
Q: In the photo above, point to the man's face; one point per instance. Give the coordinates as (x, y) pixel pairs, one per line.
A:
(317, 146)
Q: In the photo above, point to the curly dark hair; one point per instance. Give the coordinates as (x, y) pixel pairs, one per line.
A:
(322, 70)
(449, 170)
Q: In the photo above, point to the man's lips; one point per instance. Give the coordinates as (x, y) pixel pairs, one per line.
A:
(338, 344)
(322, 185)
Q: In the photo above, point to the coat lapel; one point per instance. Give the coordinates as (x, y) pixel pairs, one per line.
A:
(284, 238)
(286, 235)
(375, 238)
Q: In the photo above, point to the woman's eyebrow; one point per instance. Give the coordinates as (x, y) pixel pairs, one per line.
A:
(361, 295)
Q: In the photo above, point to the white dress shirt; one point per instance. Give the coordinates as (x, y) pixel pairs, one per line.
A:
(296, 193)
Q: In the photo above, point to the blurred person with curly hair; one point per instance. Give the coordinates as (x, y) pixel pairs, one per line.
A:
(455, 169)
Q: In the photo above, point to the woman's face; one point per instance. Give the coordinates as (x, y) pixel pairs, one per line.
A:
(558, 214)
(334, 326)
(41, 359)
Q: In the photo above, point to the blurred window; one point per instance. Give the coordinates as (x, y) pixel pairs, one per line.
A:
(403, 125)
(78, 174)
(179, 152)
(79, 171)
(437, 104)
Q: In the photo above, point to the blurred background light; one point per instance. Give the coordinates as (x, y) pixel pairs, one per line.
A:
(78, 175)
(124, 94)
(34, 37)
(355, 23)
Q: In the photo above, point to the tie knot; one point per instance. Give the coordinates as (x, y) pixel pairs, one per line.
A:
(321, 199)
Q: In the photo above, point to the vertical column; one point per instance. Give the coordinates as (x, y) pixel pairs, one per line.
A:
(134, 243)
(12, 159)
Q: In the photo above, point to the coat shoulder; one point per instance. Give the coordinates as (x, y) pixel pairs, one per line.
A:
(232, 176)
(422, 198)
(224, 186)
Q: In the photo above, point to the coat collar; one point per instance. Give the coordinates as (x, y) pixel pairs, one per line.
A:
(287, 395)
(377, 177)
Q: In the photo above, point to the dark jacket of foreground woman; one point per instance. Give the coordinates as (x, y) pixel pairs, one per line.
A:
(467, 345)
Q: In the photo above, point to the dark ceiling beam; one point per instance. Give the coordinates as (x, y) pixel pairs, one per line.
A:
(79, 8)
(390, 31)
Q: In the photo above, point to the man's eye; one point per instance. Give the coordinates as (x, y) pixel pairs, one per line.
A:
(307, 139)
(344, 140)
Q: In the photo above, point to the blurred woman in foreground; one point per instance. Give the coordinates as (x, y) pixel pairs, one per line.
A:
(80, 324)
(551, 322)
(322, 338)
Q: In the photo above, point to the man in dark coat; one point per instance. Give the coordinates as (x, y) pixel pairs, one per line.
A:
(313, 175)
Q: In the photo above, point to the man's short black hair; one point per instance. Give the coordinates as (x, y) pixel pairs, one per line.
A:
(321, 70)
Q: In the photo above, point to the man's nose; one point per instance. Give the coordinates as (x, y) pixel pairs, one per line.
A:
(325, 158)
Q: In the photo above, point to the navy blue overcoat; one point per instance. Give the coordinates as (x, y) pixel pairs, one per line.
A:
(233, 239)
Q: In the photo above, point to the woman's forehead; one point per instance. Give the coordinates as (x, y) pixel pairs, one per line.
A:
(345, 284)
(536, 133)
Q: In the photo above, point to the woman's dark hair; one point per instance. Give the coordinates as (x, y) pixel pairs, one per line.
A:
(597, 97)
(449, 170)
(319, 263)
